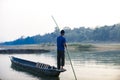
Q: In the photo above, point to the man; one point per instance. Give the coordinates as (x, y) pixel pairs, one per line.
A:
(61, 44)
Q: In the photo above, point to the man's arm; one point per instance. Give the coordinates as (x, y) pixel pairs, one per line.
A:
(65, 45)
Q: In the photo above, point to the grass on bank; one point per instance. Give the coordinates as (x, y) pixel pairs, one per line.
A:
(81, 47)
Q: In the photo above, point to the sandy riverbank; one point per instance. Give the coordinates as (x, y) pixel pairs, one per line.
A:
(71, 47)
(106, 47)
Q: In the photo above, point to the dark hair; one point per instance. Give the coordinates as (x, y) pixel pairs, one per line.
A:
(62, 31)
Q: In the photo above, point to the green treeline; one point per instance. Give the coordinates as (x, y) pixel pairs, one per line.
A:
(81, 34)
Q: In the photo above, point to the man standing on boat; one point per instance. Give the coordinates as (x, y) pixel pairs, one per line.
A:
(61, 44)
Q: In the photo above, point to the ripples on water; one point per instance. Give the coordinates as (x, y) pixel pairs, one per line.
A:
(87, 65)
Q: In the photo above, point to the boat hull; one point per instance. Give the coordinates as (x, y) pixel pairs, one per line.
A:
(29, 66)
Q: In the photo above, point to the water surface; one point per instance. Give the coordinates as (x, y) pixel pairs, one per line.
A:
(87, 65)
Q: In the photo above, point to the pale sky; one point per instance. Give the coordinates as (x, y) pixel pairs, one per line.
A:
(32, 17)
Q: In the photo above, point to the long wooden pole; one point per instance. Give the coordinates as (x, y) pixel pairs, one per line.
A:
(71, 64)
(55, 21)
(67, 52)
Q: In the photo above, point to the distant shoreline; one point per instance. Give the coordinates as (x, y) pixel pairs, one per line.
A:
(96, 46)
(41, 48)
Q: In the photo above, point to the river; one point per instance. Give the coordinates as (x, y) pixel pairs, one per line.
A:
(88, 65)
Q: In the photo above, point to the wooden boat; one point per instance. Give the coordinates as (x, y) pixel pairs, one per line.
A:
(35, 67)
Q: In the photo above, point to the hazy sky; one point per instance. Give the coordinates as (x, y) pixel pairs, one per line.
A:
(31, 17)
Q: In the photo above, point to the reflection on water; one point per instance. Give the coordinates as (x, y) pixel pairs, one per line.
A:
(87, 65)
(107, 58)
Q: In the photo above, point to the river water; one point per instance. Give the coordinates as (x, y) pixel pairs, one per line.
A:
(87, 65)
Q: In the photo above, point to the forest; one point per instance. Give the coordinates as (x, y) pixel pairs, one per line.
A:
(99, 34)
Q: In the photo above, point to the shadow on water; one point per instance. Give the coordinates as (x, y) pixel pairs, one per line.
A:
(39, 76)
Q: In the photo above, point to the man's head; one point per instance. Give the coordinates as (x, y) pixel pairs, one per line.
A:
(62, 32)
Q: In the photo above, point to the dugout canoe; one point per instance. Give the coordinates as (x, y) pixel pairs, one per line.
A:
(35, 68)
